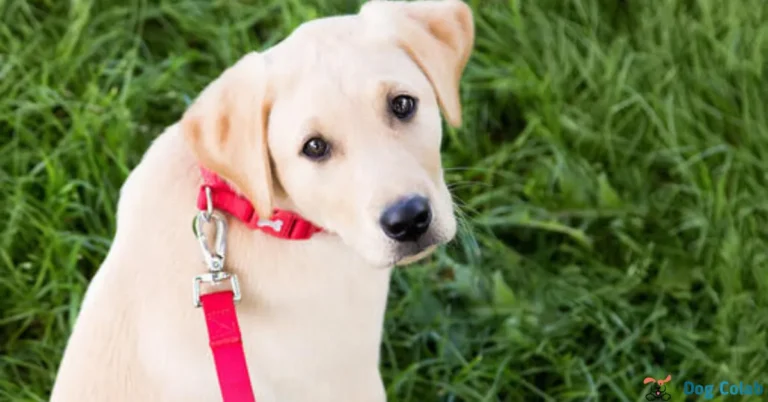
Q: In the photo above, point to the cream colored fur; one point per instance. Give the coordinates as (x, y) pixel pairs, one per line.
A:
(312, 311)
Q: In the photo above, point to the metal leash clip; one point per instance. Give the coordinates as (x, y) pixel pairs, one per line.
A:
(214, 259)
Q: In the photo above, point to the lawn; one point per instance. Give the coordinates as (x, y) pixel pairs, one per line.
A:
(612, 176)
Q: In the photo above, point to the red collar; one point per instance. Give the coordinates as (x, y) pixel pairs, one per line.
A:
(282, 224)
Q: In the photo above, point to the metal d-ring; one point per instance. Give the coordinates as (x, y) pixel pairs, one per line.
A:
(214, 278)
(208, 204)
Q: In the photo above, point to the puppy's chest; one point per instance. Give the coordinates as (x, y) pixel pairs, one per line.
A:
(326, 320)
(305, 329)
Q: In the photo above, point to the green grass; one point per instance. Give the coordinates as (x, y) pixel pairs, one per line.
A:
(612, 172)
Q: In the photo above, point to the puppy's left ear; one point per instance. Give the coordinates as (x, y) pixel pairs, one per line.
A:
(226, 129)
(437, 34)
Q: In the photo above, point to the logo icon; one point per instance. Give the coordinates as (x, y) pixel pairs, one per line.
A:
(658, 390)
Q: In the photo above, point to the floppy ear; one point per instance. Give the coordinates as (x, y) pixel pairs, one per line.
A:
(437, 34)
(226, 127)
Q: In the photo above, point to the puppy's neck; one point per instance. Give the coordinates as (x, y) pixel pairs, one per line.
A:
(278, 268)
(270, 269)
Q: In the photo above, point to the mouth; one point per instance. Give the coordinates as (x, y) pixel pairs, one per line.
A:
(410, 259)
(408, 253)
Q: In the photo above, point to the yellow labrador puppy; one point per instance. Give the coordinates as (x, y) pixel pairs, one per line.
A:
(339, 124)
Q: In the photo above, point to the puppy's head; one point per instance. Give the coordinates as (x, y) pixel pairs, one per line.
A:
(340, 122)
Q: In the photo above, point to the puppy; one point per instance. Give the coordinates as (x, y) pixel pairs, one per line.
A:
(339, 124)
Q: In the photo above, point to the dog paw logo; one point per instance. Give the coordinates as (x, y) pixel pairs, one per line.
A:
(658, 391)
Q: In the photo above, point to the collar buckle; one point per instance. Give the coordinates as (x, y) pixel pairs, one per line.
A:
(282, 224)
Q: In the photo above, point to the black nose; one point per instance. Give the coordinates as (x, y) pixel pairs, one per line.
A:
(407, 219)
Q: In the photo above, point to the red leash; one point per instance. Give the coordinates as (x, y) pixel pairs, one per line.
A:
(219, 307)
(227, 346)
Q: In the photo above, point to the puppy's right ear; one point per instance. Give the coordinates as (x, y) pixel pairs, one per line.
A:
(437, 35)
(226, 128)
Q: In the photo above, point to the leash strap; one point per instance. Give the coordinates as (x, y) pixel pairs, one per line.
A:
(227, 347)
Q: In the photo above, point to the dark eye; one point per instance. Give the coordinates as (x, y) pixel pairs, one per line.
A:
(316, 148)
(403, 106)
